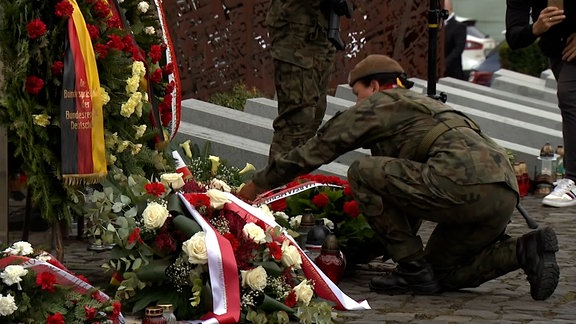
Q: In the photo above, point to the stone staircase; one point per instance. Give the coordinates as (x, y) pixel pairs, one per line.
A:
(520, 112)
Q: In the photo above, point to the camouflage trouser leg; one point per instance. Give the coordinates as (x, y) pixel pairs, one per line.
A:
(393, 195)
(301, 96)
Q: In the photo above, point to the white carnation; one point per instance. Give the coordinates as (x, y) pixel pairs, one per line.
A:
(7, 305)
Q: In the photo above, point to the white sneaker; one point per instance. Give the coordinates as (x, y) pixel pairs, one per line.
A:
(563, 195)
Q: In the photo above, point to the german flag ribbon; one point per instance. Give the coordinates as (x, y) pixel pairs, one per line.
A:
(81, 116)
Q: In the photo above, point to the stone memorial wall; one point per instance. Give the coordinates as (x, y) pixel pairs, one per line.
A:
(224, 42)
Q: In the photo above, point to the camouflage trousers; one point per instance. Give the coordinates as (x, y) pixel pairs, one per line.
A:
(301, 94)
(467, 247)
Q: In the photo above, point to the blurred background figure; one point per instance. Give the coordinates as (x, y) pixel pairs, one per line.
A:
(454, 43)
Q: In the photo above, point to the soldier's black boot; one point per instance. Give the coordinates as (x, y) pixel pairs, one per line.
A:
(536, 252)
(415, 277)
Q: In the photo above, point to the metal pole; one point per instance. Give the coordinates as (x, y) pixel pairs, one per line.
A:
(4, 185)
(435, 18)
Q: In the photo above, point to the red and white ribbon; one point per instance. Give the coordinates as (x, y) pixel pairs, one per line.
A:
(324, 287)
(175, 76)
(223, 272)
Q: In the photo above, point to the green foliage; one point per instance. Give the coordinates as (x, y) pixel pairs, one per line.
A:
(528, 60)
(236, 98)
(129, 140)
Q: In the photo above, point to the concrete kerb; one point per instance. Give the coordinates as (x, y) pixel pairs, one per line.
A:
(536, 91)
(492, 93)
(504, 108)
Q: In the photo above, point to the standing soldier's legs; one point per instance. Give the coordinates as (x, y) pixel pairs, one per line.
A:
(301, 93)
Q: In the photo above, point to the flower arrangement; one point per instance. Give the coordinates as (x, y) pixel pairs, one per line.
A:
(138, 89)
(36, 288)
(329, 199)
(161, 255)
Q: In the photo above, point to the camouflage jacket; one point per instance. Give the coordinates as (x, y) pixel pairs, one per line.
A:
(392, 123)
(309, 13)
(298, 31)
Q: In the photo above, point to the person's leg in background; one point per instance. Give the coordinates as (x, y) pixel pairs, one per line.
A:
(303, 62)
(564, 193)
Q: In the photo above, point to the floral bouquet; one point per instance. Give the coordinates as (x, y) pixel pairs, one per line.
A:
(36, 288)
(330, 198)
(168, 234)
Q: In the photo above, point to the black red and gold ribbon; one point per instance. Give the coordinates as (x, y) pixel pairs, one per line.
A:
(81, 116)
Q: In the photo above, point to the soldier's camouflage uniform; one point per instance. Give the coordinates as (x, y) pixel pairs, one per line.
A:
(303, 60)
(466, 185)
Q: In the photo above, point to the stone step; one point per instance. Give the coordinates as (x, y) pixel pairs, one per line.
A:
(500, 107)
(528, 89)
(238, 150)
(506, 96)
(520, 77)
(548, 76)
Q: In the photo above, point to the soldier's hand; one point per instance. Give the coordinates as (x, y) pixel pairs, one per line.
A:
(249, 191)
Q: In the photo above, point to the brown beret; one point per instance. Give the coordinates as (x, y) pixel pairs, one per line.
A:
(373, 64)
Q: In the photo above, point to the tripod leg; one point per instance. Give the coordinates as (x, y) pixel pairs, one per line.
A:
(529, 220)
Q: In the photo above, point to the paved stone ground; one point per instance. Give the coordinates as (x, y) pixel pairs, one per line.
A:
(503, 300)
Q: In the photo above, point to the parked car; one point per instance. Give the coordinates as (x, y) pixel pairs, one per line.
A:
(483, 72)
(478, 45)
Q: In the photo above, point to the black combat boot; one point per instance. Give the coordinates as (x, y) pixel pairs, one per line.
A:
(414, 277)
(536, 252)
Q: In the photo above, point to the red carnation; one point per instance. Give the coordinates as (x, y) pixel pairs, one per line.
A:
(114, 22)
(290, 300)
(165, 242)
(90, 312)
(166, 119)
(351, 208)
(155, 188)
(102, 10)
(198, 200)
(46, 281)
(155, 53)
(57, 67)
(278, 205)
(36, 28)
(101, 50)
(83, 278)
(55, 319)
(116, 307)
(93, 31)
(64, 9)
(275, 250)
(170, 87)
(134, 236)
(156, 76)
(168, 69)
(115, 42)
(34, 84)
(348, 191)
(321, 200)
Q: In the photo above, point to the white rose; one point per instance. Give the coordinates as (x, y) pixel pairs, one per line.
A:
(173, 180)
(7, 305)
(290, 255)
(143, 6)
(219, 184)
(154, 215)
(282, 215)
(295, 221)
(255, 278)
(217, 198)
(20, 248)
(328, 223)
(149, 30)
(304, 292)
(254, 232)
(13, 274)
(195, 249)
